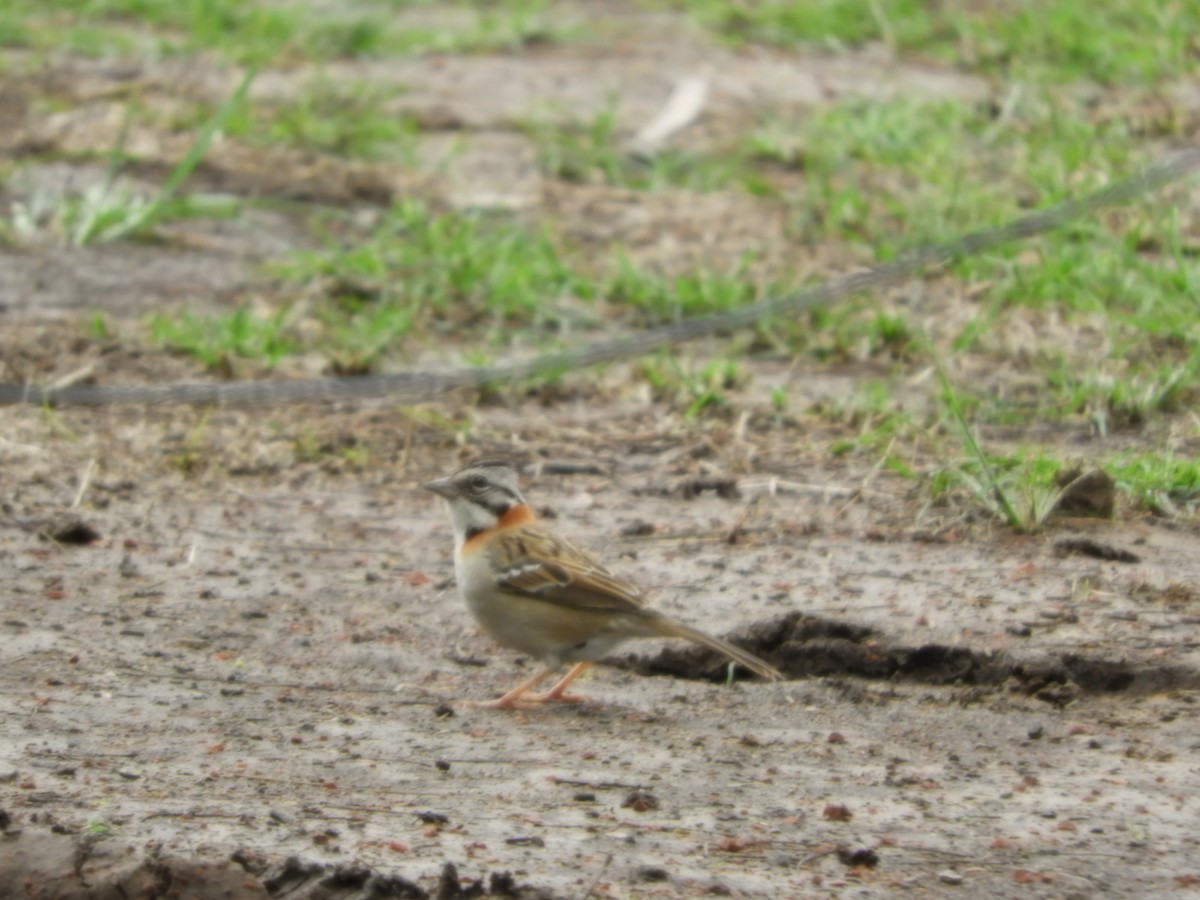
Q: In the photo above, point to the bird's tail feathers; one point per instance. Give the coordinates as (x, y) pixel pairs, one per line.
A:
(671, 628)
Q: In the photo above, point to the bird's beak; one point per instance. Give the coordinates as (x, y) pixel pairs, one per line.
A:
(443, 487)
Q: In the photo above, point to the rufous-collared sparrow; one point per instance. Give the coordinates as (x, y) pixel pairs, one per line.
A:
(536, 593)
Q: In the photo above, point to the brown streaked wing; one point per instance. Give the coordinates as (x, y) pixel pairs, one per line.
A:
(545, 567)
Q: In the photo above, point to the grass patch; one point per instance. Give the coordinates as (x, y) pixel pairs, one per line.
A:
(449, 267)
(700, 390)
(1109, 41)
(103, 213)
(258, 33)
(1020, 502)
(908, 172)
(1022, 490)
(664, 299)
(346, 120)
(1163, 484)
(216, 340)
(876, 422)
(854, 332)
(1111, 301)
(905, 172)
(1018, 491)
(424, 273)
(594, 151)
(480, 279)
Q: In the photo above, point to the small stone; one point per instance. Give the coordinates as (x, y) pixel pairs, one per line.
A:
(949, 876)
(862, 857)
(640, 801)
(1092, 493)
(638, 528)
(526, 841)
(70, 529)
(653, 873)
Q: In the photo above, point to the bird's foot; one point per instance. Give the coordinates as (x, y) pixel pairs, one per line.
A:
(556, 696)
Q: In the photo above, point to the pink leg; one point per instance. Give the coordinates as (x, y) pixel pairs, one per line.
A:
(515, 699)
(559, 691)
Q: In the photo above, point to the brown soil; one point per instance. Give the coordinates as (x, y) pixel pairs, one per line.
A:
(233, 658)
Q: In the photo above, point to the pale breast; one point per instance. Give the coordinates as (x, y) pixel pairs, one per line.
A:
(546, 630)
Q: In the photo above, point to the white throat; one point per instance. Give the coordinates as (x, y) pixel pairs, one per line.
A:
(469, 518)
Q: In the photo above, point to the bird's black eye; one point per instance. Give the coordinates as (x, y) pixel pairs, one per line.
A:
(478, 483)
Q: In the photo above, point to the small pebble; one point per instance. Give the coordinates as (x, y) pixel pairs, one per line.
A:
(653, 873)
(533, 841)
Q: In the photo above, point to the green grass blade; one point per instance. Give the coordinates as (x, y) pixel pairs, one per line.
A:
(145, 217)
(991, 482)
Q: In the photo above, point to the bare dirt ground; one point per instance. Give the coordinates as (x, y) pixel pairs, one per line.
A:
(233, 656)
